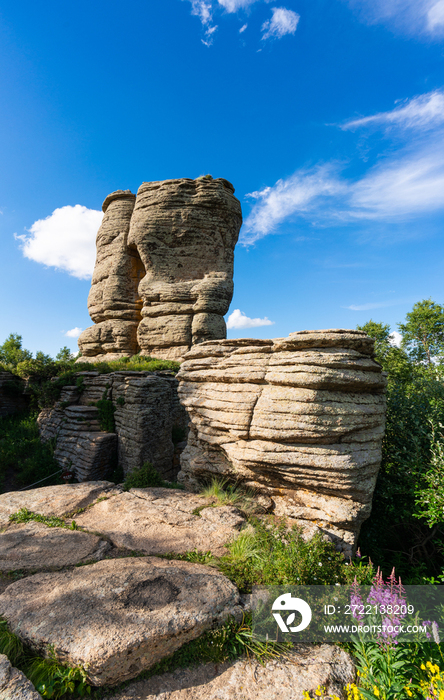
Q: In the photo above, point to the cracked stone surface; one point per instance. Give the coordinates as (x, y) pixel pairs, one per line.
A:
(118, 617)
(34, 546)
(13, 683)
(300, 419)
(163, 277)
(54, 500)
(159, 520)
(285, 679)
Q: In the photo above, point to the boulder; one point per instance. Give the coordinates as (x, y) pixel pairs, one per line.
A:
(33, 546)
(163, 278)
(283, 679)
(118, 617)
(159, 521)
(54, 500)
(13, 683)
(300, 419)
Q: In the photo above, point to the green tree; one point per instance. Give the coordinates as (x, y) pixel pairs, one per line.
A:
(394, 360)
(423, 332)
(64, 355)
(11, 352)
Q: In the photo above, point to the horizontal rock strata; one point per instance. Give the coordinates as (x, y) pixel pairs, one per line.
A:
(163, 274)
(146, 412)
(299, 418)
(118, 617)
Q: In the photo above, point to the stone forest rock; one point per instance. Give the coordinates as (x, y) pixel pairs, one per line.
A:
(163, 275)
(143, 411)
(300, 419)
(13, 683)
(247, 679)
(120, 616)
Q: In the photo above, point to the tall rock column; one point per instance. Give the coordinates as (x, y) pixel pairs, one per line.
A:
(185, 232)
(163, 278)
(113, 302)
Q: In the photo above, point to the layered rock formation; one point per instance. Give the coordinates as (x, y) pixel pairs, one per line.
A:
(163, 275)
(299, 418)
(145, 410)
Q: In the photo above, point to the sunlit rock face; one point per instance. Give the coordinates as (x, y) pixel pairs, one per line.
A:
(300, 419)
(163, 278)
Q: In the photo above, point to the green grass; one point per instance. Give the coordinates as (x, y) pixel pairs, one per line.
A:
(25, 516)
(145, 477)
(226, 493)
(50, 678)
(23, 455)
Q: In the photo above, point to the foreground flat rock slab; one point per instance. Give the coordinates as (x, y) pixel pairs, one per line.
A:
(54, 500)
(284, 679)
(13, 683)
(118, 617)
(300, 419)
(158, 521)
(35, 547)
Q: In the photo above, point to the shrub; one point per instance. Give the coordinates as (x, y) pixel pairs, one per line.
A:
(146, 476)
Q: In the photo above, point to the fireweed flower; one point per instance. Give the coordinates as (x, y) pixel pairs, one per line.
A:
(356, 600)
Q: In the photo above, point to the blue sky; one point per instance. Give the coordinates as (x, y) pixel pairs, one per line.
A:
(326, 115)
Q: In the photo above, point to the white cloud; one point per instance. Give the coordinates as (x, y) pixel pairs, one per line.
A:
(410, 16)
(282, 22)
(422, 112)
(395, 339)
(204, 10)
(235, 5)
(435, 17)
(402, 187)
(73, 333)
(243, 28)
(295, 195)
(239, 320)
(65, 240)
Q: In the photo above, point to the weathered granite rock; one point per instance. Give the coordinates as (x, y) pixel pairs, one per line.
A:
(12, 398)
(160, 521)
(13, 683)
(54, 500)
(35, 547)
(164, 269)
(244, 679)
(147, 412)
(118, 617)
(299, 418)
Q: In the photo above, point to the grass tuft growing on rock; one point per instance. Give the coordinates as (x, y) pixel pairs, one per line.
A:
(231, 494)
(145, 477)
(50, 678)
(25, 516)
